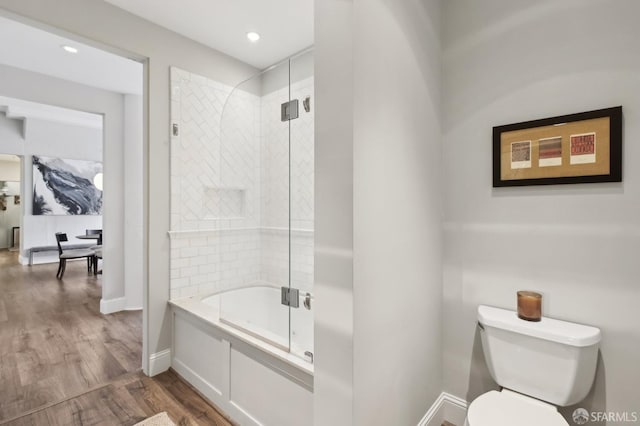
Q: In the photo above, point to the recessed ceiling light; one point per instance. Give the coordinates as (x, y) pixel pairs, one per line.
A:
(253, 36)
(69, 49)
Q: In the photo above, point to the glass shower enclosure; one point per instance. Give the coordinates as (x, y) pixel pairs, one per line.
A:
(266, 167)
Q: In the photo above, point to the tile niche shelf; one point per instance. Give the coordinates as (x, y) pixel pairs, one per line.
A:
(224, 203)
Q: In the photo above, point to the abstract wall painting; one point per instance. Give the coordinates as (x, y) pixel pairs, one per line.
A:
(65, 187)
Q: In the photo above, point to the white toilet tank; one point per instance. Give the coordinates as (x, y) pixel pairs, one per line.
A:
(551, 360)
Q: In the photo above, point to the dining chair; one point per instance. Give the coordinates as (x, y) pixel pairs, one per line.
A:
(64, 255)
(97, 256)
(98, 232)
(97, 250)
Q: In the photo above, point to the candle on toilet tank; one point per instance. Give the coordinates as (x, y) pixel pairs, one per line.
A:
(529, 305)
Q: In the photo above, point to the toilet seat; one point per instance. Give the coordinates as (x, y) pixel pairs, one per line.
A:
(508, 408)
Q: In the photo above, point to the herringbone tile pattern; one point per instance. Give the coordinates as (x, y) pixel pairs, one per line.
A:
(244, 176)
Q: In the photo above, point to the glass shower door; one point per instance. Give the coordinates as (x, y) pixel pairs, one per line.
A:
(254, 237)
(302, 203)
(265, 199)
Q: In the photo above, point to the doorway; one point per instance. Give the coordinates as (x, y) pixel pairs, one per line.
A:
(10, 202)
(63, 337)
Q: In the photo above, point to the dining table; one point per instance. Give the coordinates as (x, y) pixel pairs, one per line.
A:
(98, 251)
(89, 237)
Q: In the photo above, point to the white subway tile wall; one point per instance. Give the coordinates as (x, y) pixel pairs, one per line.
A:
(230, 188)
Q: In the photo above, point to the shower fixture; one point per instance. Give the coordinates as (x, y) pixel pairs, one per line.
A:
(306, 103)
(289, 110)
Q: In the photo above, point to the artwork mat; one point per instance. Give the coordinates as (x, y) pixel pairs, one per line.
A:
(521, 163)
(549, 161)
(606, 124)
(583, 158)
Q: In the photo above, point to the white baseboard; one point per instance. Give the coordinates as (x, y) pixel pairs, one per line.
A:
(112, 305)
(446, 407)
(133, 308)
(159, 362)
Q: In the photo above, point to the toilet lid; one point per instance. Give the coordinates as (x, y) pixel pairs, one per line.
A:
(508, 408)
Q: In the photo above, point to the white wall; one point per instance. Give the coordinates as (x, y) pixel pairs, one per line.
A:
(133, 200)
(378, 242)
(333, 257)
(54, 139)
(278, 77)
(95, 20)
(9, 170)
(506, 62)
(397, 211)
(11, 137)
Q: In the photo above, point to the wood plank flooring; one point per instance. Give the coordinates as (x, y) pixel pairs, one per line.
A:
(128, 400)
(62, 362)
(54, 342)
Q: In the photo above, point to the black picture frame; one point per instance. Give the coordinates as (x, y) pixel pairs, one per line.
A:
(615, 149)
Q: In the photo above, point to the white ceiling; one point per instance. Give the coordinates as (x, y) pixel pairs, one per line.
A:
(32, 49)
(20, 109)
(285, 26)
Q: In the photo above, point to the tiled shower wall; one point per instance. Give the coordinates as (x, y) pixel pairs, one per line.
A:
(215, 186)
(230, 188)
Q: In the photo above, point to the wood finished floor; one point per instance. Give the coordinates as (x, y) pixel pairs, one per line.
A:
(56, 346)
(128, 400)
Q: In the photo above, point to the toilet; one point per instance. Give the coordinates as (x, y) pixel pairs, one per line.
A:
(539, 365)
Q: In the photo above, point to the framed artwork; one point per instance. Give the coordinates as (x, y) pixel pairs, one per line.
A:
(576, 148)
(65, 187)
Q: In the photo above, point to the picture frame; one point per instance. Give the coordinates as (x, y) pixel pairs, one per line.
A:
(577, 148)
(65, 186)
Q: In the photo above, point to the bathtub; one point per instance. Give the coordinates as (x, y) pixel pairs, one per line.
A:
(257, 311)
(231, 346)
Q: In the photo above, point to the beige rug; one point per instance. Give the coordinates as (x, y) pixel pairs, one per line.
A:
(160, 419)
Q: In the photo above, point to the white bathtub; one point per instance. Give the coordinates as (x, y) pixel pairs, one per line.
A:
(232, 347)
(257, 311)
